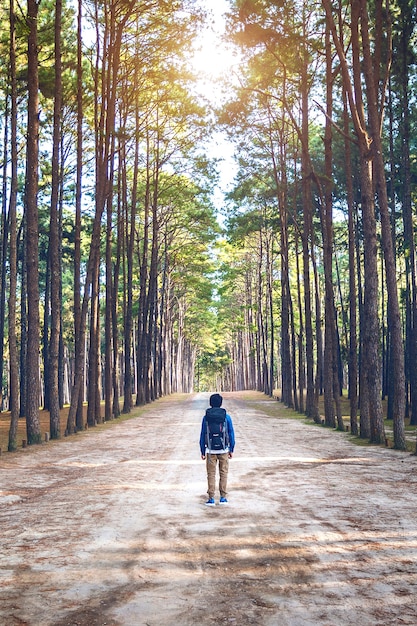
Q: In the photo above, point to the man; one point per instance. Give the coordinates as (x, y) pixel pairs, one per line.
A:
(217, 443)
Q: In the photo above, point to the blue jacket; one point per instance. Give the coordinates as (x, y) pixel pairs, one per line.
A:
(230, 431)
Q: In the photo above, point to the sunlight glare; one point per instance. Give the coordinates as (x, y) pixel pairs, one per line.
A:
(212, 57)
(214, 60)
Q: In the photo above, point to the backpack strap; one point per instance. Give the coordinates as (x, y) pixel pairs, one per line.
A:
(226, 433)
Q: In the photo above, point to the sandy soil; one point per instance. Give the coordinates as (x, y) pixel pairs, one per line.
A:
(110, 528)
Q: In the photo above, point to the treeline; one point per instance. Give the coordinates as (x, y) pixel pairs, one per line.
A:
(322, 220)
(109, 285)
(107, 220)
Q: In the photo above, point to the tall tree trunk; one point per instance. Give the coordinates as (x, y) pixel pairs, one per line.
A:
(4, 244)
(327, 234)
(353, 341)
(13, 352)
(78, 421)
(142, 305)
(407, 26)
(286, 361)
(94, 370)
(23, 321)
(260, 318)
(54, 241)
(108, 335)
(397, 351)
(115, 301)
(130, 236)
(371, 405)
(318, 382)
(306, 234)
(104, 123)
(153, 284)
(162, 315)
(301, 360)
(32, 234)
(45, 333)
(61, 347)
(270, 305)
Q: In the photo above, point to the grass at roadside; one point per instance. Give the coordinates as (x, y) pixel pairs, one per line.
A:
(274, 408)
(44, 422)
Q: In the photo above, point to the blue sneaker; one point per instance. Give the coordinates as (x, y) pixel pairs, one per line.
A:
(223, 500)
(210, 502)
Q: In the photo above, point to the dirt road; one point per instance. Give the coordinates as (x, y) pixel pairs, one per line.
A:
(110, 528)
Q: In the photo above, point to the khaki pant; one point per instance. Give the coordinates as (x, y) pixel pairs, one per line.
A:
(211, 463)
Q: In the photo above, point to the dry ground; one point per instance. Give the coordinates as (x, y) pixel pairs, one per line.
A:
(109, 528)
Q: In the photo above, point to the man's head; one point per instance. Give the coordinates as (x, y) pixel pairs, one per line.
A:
(216, 400)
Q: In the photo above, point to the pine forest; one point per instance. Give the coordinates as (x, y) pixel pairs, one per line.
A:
(124, 279)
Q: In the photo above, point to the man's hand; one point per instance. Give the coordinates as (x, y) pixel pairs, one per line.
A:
(203, 456)
(230, 455)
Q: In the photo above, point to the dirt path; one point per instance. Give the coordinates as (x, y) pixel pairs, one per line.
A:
(112, 530)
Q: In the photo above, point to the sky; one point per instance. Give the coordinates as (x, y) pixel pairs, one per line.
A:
(213, 61)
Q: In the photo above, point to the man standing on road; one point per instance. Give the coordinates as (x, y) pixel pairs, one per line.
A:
(217, 443)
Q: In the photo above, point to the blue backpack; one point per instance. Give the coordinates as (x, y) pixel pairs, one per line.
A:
(217, 436)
